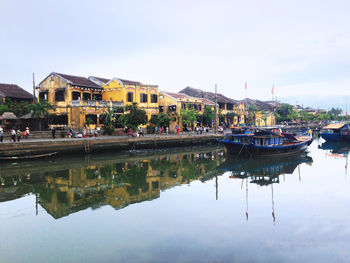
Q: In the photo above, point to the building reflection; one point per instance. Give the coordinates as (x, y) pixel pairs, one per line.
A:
(68, 186)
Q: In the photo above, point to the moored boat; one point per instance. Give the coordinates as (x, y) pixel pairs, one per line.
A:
(264, 143)
(336, 132)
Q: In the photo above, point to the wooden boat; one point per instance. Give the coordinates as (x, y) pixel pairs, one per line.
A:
(336, 132)
(27, 157)
(264, 143)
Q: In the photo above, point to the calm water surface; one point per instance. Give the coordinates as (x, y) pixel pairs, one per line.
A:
(184, 205)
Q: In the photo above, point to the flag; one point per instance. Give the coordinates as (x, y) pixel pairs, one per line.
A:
(245, 86)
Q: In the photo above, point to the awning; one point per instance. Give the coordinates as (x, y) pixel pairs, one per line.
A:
(8, 116)
(334, 126)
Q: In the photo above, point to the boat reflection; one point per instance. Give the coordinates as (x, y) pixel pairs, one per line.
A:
(263, 172)
(65, 186)
(337, 149)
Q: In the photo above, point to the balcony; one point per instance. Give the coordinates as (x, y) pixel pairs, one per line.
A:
(117, 104)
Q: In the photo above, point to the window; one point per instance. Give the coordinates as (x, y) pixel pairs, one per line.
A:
(200, 107)
(130, 97)
(59, 95)
(161, 109)
(76, 95)
(172, 108)
(154, 98)
(183, 106)
(43, 95)
(143, 97)
(86, 96)
(92, 117)
(97, 96)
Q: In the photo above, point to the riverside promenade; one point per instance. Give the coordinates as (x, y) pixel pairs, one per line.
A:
(104, 143)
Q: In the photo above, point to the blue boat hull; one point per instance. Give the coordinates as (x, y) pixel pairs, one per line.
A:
(334, 136)
(262, 151)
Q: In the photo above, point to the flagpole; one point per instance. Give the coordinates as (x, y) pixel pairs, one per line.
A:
(216, 114)
(246, 90)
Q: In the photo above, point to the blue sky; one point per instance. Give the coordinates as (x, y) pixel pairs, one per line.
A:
(302, 47)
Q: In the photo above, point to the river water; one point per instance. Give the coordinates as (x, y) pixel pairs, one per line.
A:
(178, 205)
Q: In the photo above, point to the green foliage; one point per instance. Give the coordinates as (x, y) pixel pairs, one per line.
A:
(334, 113)
(109, 120)
(284, 112)
(39, 109)
(133, 117)
(161, 120)
(18, 108)
(188, 117)
(4, 108)
(88, 122)
(208, 116)
(252, 110)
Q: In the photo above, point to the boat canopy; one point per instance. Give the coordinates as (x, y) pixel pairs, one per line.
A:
(334, 126)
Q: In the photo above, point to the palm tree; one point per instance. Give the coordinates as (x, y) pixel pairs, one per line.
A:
(40, 110)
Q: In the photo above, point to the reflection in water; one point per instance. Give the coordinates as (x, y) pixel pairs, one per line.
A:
(263, 172)
(337, 150)
(67, 186)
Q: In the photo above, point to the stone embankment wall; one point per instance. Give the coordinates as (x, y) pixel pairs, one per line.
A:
(105, 143)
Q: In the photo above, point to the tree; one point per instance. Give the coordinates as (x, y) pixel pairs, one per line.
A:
(334, 113)
(18, 108)
(208, 116)
(40, 110)
(133, 117)
(161, 120)
(109, 119)
(188, 117)
(252, 109)
(283, 111)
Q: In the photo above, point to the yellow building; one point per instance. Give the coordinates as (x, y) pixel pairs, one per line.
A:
(265, 119)
(75, 99)
(173, 103)
(128, 92)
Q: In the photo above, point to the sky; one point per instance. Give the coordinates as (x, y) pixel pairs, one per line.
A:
(302, 48)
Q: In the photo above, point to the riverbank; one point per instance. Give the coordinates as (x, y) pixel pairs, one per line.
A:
(103, 143)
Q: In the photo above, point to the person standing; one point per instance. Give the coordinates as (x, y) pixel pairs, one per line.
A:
(19, 135)
(1, 134)
(27, 132)
(53, 132)
(167, 131)
(178, 130)
(13, 135)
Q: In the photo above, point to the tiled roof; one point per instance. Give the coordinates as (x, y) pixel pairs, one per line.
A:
(134, 83)
(102, 79)
(207, 102)
(207, 95)
(178, 95)
(14, 91)
(78, 81)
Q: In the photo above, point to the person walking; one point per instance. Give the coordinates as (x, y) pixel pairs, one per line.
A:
(1, 134)
(167, 131)
(177, 130)
(19, 135)
(13, 135)
(155, 130)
